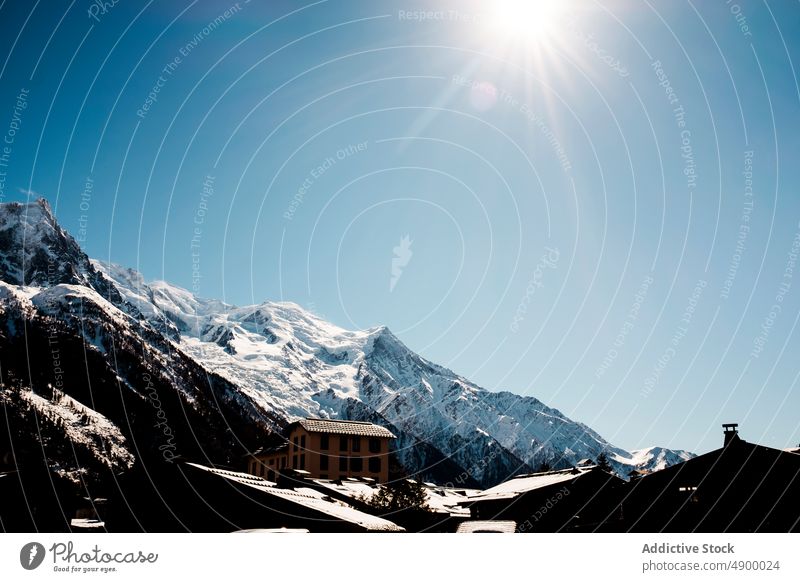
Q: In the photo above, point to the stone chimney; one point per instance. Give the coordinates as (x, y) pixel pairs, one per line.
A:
(731, 432)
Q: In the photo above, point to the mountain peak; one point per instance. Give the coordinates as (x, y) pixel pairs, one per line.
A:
(36, 252)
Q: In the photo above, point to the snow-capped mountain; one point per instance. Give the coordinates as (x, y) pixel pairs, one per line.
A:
(276, 362)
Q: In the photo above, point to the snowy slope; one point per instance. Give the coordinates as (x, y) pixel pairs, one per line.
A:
(84, 427)
(291, 361)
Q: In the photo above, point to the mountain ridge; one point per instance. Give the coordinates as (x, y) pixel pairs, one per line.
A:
(285, 363)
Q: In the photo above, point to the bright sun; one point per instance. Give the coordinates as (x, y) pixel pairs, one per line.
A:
(529, 20)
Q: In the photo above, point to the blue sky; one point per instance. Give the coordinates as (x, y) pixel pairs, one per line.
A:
(599, 203)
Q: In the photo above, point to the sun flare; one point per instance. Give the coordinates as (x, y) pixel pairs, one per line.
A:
(528, 20)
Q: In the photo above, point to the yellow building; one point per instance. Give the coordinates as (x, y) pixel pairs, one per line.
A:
(328, 449)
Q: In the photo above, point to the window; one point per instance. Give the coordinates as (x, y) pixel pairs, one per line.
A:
(374, 445)
(356, 464)
(283, 462)
(343, 464)
(356, 444)
(323, 442)
(294, 462)
(303, 442)
(294, 441)
(342, 443)
(323, 462)
(375, 464)
(261, 470)
(302, 461)
(272, 461)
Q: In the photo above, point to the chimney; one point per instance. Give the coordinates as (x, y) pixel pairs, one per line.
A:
(731, 433)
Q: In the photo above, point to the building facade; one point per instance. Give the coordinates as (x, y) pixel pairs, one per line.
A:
(328, 449)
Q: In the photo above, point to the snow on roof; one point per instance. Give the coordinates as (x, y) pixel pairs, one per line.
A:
(349, 427)
(271, 450)
(439, 499)
(446, 500)
(83, 523)
(494, 526)
(308, 498)
(350, 488)
(524, 483)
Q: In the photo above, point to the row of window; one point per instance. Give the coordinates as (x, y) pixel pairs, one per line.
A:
(356, 464)
(350, 443)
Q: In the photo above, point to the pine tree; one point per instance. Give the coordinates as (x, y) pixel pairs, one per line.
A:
(602, 462)
(402, 494)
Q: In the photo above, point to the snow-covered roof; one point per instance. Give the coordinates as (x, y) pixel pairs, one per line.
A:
(282, 448)
(85, 523)
(494, 526)
(439, 499)
(347, 427)
(524, 483)
(308, 498)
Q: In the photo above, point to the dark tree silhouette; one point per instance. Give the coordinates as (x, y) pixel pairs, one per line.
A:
(602, 462)
(403, 494)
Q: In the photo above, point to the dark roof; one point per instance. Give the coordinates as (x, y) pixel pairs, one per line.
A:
(349, 427)
(272, 450)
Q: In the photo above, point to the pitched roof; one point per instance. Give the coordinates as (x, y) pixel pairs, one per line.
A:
(307, 498)
(349, 427)
(524, 483)
(270, 450)
(440, 499)
(495, 526)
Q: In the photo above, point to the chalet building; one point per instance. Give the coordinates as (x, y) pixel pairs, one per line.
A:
(327, 449)
(740, 487)
(577, 499)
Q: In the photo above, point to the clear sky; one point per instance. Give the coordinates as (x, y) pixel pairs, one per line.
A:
(595, 204)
